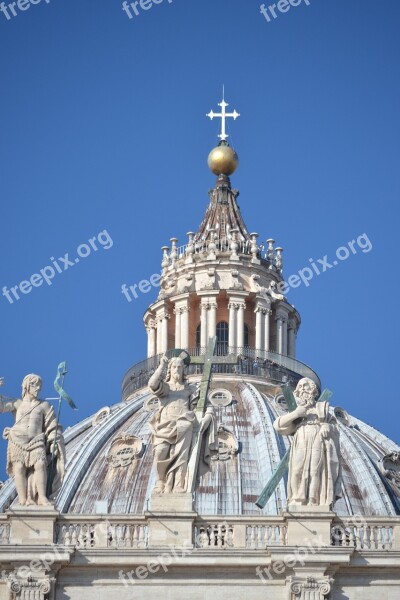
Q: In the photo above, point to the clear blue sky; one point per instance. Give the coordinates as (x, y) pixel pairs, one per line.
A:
(103, 128)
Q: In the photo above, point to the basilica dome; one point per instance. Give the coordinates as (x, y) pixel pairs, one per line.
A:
(222, 285)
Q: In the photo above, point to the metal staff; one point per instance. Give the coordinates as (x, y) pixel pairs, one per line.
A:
(62, 395)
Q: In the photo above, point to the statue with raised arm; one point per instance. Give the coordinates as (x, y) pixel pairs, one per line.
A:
(314, 466)
(172, 425)
(32, 440)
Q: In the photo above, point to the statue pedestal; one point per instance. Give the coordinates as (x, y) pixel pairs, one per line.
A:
(32, 525)
(171, 521)
(309, 525)
(172, 503)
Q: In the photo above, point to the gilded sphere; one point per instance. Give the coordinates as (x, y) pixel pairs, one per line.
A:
(223, 160)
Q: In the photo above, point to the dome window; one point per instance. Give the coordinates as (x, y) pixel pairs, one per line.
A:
(220, 397)
(342, 416)
(151, 404)
(101, 416)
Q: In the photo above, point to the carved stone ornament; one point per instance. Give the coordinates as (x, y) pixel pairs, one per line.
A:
(101, 416)
(29, 588)
(391, 467)
(124, 450)
(309, 589)
(228, 445)
(236, 283)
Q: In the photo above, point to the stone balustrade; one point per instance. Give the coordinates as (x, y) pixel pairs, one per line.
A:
(261, 535)
(128, 535)
(378, 534)
(83, 532)
(246, 533)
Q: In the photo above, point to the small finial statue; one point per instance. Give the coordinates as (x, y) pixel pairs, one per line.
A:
(33, 440)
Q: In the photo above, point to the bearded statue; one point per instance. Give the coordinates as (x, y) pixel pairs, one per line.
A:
(314, 467)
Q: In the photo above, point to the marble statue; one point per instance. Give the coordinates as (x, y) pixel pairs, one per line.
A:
(31, 443)
(314, 467)
(172, 425)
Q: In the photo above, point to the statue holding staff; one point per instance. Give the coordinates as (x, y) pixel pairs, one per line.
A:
(34, 438)
(314, 464)
(173, 424)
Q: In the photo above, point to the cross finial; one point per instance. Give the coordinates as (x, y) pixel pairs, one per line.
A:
(223, 115)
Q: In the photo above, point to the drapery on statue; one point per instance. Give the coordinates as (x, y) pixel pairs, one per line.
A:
(31, 441)
(314, 467)
(172, 425)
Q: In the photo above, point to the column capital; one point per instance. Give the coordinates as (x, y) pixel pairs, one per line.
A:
(162, 315)
(23, 587)
(301, 588)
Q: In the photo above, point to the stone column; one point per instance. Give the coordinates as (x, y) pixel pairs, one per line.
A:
(164, 332)
(279, 334)
(158, 333)
(185, 327)
(240, 324)
(259, 328)
(232, 325)
(203, 321)
(292, 338)
(212, 319)
(177, 313)
(284, 337)
(267, 329)
(151, 338)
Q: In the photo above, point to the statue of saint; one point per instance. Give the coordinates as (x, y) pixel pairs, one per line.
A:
(31, 442)
(314, 467)
(172, 425)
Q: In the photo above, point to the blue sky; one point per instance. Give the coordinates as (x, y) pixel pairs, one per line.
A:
(103, 128)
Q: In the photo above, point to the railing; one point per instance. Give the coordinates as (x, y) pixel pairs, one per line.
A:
(83, 532)
(239, 532)
(79, 535)
(258, 363)
(214, 535)
(128, 535)
(370, 534)
(223, 244)
(259, 537)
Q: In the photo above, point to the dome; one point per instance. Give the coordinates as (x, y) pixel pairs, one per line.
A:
(110, 464)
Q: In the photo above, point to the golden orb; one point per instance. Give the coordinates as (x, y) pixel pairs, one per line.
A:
(223, 160)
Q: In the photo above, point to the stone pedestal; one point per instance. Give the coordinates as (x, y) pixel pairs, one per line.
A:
(171, 521)
(171, 503)
(32, 525)
(309, 525)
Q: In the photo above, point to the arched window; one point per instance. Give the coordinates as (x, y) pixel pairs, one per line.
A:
(198, 335)
(246, 335)
(222, 337)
